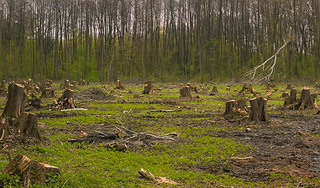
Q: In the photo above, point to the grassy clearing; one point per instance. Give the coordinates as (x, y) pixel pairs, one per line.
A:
(198, 158)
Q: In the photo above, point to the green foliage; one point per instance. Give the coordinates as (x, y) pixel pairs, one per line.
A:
(7, 180)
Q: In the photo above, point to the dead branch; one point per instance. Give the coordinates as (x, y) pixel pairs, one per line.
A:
(265, 71)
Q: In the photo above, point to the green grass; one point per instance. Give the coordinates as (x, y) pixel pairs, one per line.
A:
(189, 160)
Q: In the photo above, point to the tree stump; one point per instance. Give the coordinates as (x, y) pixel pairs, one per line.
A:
(231, 110)
(290, 102)
(214, 91)
(27, 126)
(307, 101)
(185, 92)
(17, 100)
(258, 109)
(48, 93)
(147, 88)
(30, 171)
(119, 86)
(66, 101)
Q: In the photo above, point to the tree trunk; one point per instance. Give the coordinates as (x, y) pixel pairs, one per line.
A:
(17, 100)
(185, 92)
(29, 170)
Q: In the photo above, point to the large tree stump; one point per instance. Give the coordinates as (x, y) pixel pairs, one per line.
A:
(23, 127)
(17, 100)
(30, 171)
(307, 101)
(66, 101)
(258, 110)
(27, 126)
(119, 86)
(185, 92)
(147, 88)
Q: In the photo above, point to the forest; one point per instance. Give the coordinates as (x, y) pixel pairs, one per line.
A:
(201, 40)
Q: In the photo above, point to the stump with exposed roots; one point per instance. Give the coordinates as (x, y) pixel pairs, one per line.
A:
(147, 88)
(30, 171)
(119, 86)
(185, 92)
(258, 110)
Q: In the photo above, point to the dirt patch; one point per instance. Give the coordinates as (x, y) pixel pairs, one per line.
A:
(93, 94)
(288, 146)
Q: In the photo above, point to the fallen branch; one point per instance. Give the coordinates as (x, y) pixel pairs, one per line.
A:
(150, 176)
(267, 68)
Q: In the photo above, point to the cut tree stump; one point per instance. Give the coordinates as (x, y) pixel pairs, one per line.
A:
(27, 126)
(290, 101)
(258, 109)
(30, 171)
(17, 100)
(119, 86)
(214, 91)
(185, 92)
(48, 93)
(66, 101)
(147, 88)
(307, 100)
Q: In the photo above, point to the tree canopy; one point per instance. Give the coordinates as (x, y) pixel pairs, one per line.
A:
(104, 40)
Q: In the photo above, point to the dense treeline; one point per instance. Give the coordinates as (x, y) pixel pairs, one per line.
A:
(157, 39)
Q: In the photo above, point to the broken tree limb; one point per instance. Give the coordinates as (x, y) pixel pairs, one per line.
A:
(149, 176)
(265, 71)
